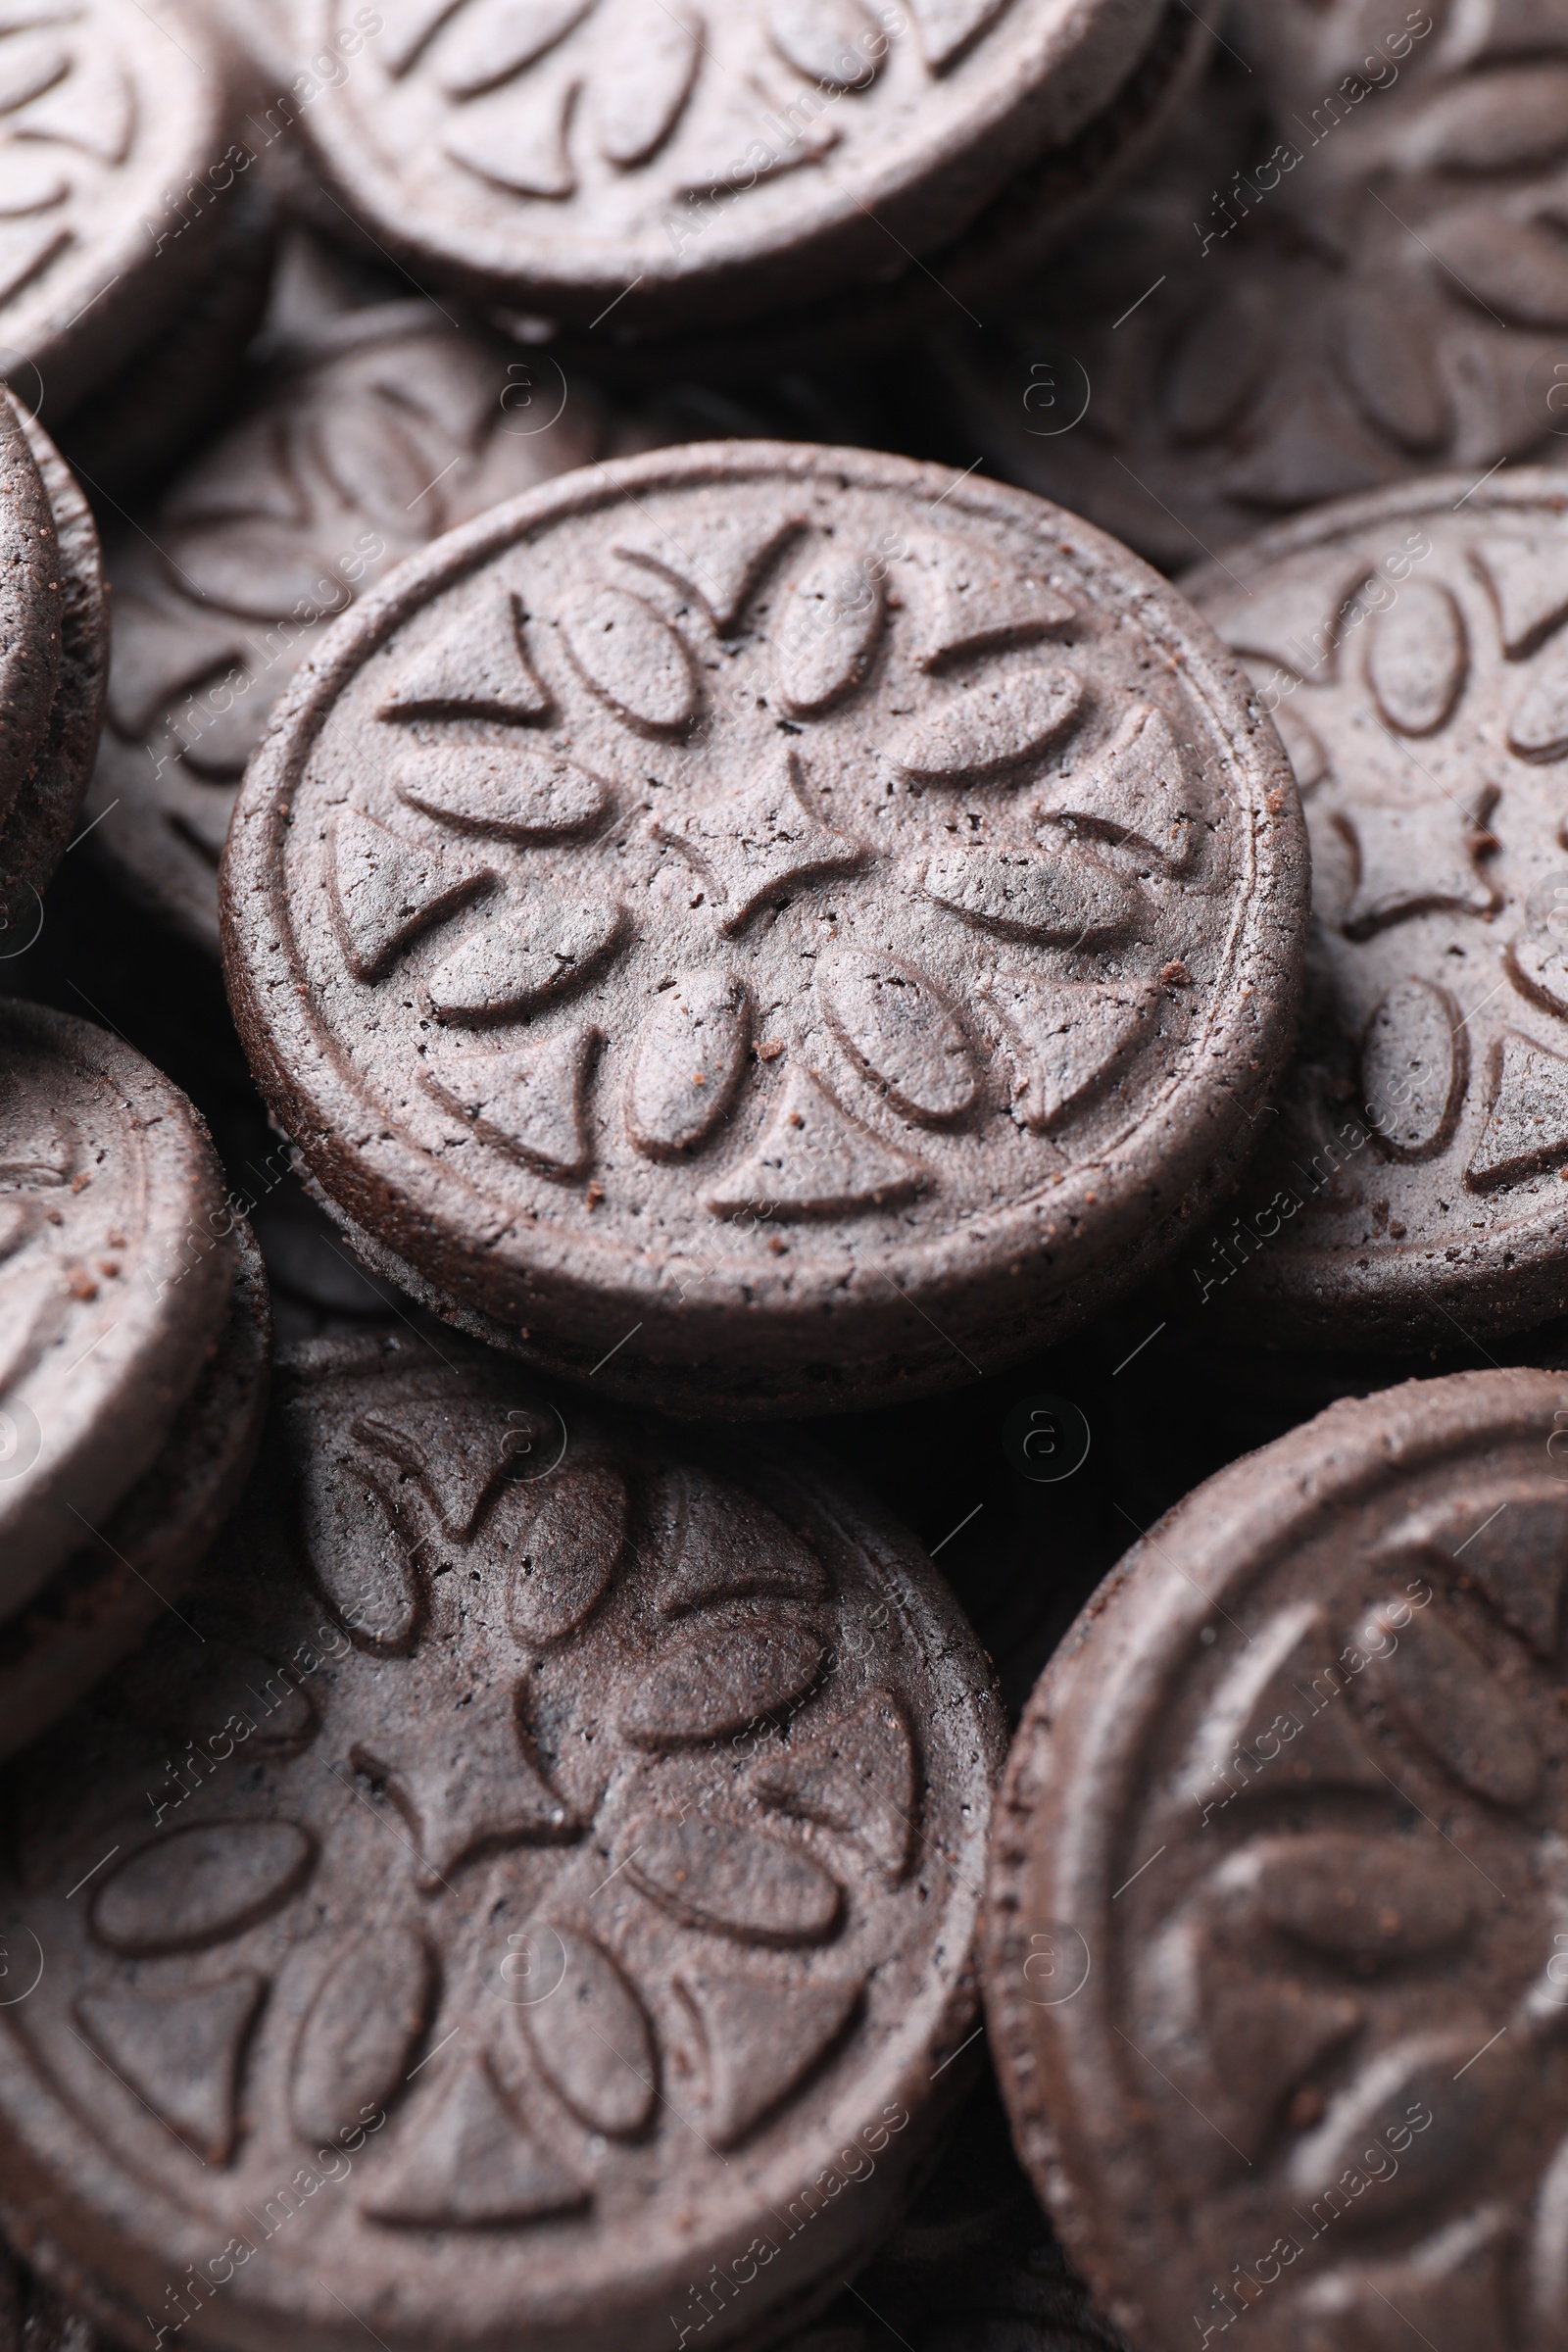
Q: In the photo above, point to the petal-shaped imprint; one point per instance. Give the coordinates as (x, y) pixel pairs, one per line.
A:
(970, 604)
(562, 1562)
(357, 1550)
(826, 634)
(1514, 1542)
(651, 57)
(1414, 1069)
(1218, 363)
(835, 43)
(948, 28)
(688, 1061)
(494, 40)
(895, 1022)
(1136, 792)
(1514, 267)
(631, 656)
(475, 667)
(409, 26)
(1297, 622)
(1413, 860)
(1527, 1128)
(813, 1159)
(855, 1775)
(1066, 1039)
(1453, 2109)
(1384, 337)
(723, 563)
(1419, 659)
(527, 946)
(465, 1451)
(761, 2039)
(592, 2042)
(512, 795)
(1065, 898)
(386, 890)
(717, 1676)
(201, 1886)
(727, 1545)
(1539, 727)
(516, 139)
(1452, 2291)
(1509, 120)
(1279, 1719)
(360, 2030)
(1539, 970)
(1458, 1711)
(530, 1102)
(988, 729)
(470, 2160)
(1366, 1897)
(715, 1874)
(179, 2053)
(1528, 583)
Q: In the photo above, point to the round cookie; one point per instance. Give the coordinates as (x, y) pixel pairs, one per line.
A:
(698, 166)
(114, 172)
(1342, 271)
(116, 1281)
(37, 828)
(373, 431)
(101, 1602)
(1275, 1955)
(768, 927)
(32, 601)
(1410, 647)
(562, 1853)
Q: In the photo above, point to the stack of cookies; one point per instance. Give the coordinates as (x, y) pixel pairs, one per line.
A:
(780, 849)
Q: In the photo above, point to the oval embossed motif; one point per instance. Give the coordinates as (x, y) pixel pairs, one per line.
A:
(510, 794)
(688, 1063)
(1063, 900)
(827, 634)
(990, 728)
(900, 1029)
(1414, 1066)
(631, 658)
(592, 2039)
(833, 42)
(360, 2032)
(1441, 1687)
(201, 1886)
(1371, 1897)
(569, 1555)
(1419, 659)
(713, 1874)
(522, 951)
(651, 57)
(703, 1684)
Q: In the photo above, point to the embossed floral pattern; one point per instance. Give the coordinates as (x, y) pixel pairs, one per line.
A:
(605, 1825)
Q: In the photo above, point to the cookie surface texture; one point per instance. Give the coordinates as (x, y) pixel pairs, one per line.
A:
(830, 918)
(576, 1883)
(1411, 647)
(1276, 1916)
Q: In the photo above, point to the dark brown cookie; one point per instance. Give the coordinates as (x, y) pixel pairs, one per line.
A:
(1344, 270)
(117, 1276)
(37, 828)
(767, 926)
(115, 171)
(702, 164)
(30, 610)
(373, 431)
(1413, 650)
(102, 1601)
(546, 1921)
(1275, 1956)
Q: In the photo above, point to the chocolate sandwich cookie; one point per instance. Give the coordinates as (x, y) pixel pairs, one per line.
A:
(117, 1282)
(534, 1898)
(1345, 269)
(120, 1577)
(701, 165)
(767, 927)
(1275, 1948)
(61, 625)
(1411, 647)
(116, 171)
(370, 432)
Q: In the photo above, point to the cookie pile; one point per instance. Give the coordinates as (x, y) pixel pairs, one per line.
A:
(783, 1132)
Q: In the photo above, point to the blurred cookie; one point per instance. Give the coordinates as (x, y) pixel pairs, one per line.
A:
(1412, 647)
(804, 925)
(1347, 268)
(1275, 1946)
(560, 1851)
(694, 165)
